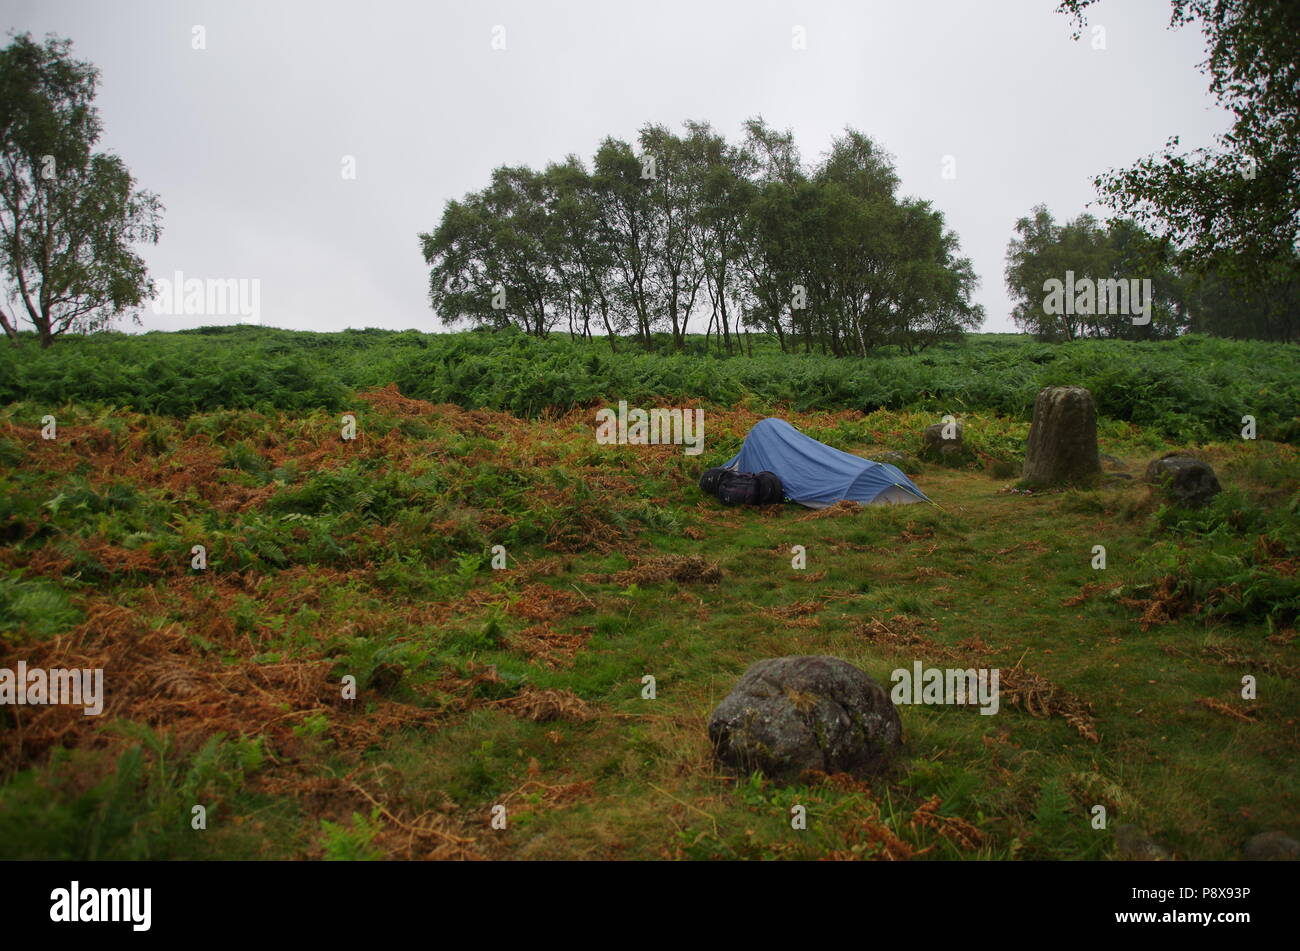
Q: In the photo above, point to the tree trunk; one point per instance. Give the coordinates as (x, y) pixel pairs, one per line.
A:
(10, 327)
(722, 300)
(1062, 438)
(604, 317)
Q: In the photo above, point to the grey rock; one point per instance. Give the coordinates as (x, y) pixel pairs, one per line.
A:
(791, 714)
(935, 442)
(1136, 846)
(894, 457)
(1271, 846)
(1186, 481)
(1113, 463)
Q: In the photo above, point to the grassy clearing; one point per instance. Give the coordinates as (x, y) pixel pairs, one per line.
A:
(523, 687)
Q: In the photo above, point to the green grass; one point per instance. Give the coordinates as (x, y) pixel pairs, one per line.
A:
(372, 560)
(375, 556)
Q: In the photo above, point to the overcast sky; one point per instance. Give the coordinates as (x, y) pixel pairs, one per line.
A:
(245, 140)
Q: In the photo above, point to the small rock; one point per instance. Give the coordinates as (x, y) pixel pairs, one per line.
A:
(1271, 846)
(903, 461)
(1136, 846)
(935, 441)
(791, 714)
(1114, 463)
(1186, 481)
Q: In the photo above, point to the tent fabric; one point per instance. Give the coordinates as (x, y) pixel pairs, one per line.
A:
(817, 475)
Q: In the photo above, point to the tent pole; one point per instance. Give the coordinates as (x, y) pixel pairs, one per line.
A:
(925, 497)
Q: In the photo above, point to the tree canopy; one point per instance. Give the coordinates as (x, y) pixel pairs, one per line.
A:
(687, 225)
(1233, 210)
(68, 214)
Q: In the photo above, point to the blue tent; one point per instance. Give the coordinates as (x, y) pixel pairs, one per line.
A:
(816, 475)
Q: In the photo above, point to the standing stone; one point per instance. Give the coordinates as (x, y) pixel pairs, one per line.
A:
(791, 714)
(1062, 438)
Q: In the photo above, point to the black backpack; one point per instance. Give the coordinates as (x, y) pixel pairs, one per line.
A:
(748, 488)
(770, 489)
(709, 481)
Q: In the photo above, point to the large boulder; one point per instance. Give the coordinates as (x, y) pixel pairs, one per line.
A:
(1062, 438)
(791, 714)
(1186, 481)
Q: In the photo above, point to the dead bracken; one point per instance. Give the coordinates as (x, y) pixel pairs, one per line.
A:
(1039, 697)
(541, 705)
(684, 569)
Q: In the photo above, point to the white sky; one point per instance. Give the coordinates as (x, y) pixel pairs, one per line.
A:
(244, 140)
